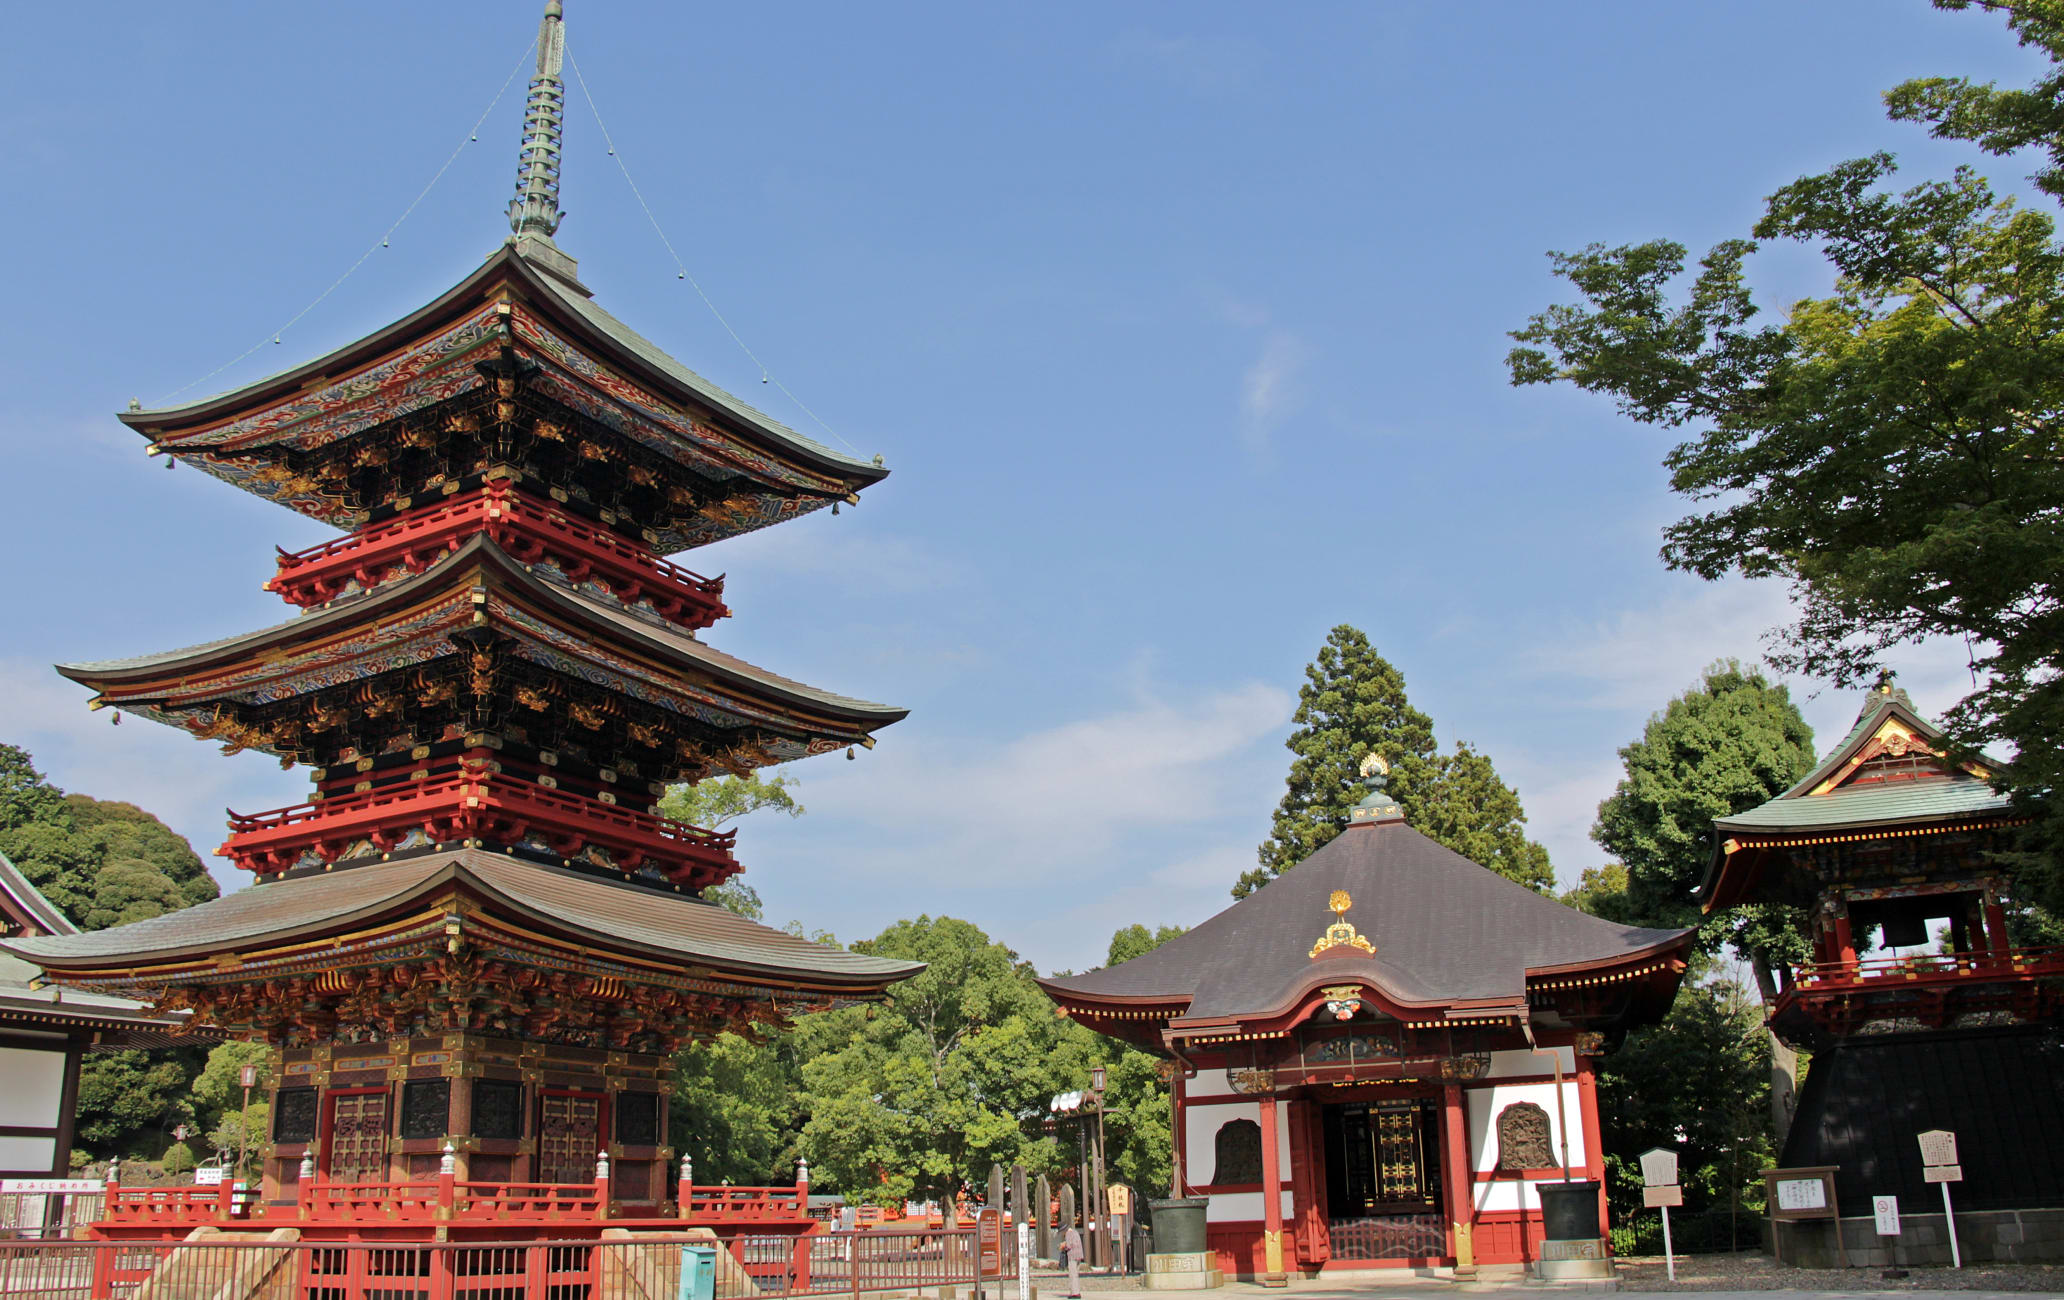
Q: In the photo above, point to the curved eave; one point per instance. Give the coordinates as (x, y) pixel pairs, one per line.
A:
(662, 645)
(709, 944)
(567, 306)
(1736, 868)
(1676, 945)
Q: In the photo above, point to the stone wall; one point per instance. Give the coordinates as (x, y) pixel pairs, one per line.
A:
(1984, 1236)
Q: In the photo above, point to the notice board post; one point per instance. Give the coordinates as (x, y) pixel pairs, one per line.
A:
(1798, 1194)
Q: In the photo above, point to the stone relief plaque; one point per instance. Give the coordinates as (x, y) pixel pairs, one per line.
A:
(1523, 1137)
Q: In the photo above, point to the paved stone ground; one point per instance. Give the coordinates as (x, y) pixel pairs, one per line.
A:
(1713, 1275)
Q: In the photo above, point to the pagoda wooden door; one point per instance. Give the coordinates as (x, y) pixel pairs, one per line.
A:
(357, 1149)
(569, 1136)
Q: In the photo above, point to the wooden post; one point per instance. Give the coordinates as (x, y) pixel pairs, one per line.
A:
(448, 1181)
(1042, 1218)
(1461, 1178)
(602, 1184)
(684, 1190)
(1594, 1152)
(1271, 1196)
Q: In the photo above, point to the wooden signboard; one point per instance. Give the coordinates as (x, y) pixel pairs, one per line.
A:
(1804, 1193)
(1668, 1196)
(1938, 1147)
(1659, 1167)
(1119, 1197)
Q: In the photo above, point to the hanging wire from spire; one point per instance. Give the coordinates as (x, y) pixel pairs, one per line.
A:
(681, 267)
(535, 209)
(273, 336)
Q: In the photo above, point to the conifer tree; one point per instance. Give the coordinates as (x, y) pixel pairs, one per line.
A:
(1352, 703)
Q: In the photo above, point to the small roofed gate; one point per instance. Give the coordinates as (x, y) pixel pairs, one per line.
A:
(358, 1137)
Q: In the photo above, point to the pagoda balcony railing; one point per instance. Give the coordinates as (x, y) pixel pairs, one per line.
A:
(1985, 963)
(490, 807)
(1840, 997)
(531, 530)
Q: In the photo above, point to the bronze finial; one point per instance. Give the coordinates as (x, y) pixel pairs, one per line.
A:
(535, 209)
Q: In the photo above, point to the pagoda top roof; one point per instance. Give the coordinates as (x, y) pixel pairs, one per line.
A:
(542, 275)
(1445, 933)
(1892, 770)
(603, 915)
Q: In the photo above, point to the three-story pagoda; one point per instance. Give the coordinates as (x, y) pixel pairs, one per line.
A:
(477, 944)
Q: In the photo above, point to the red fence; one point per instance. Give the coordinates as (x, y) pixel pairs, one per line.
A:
(626, 1267)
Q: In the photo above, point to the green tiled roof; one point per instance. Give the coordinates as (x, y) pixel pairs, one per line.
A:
(1898, 801)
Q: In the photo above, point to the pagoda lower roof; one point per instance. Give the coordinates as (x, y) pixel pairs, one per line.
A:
(410, 620)
(1449, 936)
(602, 916)
(597, 363)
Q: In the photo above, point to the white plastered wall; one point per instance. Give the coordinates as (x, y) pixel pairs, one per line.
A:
(31, 1090)
(1201, 1122)
(1485, 1105)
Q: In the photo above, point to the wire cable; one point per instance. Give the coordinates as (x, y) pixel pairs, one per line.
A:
(274, 336)
(681, 267)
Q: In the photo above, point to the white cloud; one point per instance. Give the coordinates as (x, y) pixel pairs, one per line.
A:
(1049, 840)
(1203, 65)
(1269, 391)
(846, 552)
(1631, 663)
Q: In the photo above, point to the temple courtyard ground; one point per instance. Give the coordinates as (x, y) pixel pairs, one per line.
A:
(1710, 1275)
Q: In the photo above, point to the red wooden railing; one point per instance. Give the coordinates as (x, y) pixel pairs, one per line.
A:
(529, 529)
(490, 806)
(1984, 963)
(645, 1266)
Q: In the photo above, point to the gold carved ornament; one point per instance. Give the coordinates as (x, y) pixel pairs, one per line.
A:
(1340, 934)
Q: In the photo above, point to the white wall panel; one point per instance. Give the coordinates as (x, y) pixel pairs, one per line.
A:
(31, 1088)
(27, 1153)
(1485, 1103)
(1243, 1207)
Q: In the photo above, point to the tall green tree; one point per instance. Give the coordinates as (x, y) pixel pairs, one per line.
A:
(1470, 809)
(1891, 449)
(952, 1074)
(717, 802)
(1353, 704)
(1731, 742)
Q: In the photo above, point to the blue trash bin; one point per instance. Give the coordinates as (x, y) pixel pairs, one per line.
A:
(698, 1273)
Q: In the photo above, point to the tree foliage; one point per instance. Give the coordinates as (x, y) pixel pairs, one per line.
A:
(130, 1101)
(1893, 449)
(1137, 941)
(101, 863)
(1697, 1083)
(1353, 704)
(951, 1075)
(1726, 745)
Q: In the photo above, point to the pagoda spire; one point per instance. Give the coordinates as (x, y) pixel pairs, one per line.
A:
(535, 209)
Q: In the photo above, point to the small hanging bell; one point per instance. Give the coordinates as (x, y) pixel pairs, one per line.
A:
(849, 753)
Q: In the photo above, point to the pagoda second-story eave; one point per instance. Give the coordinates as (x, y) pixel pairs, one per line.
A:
(479, 588)
(575, 355)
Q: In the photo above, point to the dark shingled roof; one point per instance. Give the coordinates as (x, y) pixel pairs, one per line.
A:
(613, 916)
(1446, 931)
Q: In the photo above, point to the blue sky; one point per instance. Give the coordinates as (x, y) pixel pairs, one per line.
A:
(1182, 327)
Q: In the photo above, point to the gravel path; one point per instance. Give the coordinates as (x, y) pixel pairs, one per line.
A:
(1756, 1272)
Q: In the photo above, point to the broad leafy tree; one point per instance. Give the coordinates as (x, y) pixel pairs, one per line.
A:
(1137, 941)
(1891, 449)
(721, 800)
(1726, 745)
(951, 1075)
(1353, 704)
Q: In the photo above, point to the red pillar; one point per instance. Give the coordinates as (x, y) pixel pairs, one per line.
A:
(1996, 924)
(1845, 943)
(1594, 1150)
(1461, 1177)
(1272, 1196)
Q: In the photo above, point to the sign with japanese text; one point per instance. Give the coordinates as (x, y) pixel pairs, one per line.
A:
(1943, 1173)
(1938, 1147)
(1885, 1209)
(1656, 1198)
(1659, 1167)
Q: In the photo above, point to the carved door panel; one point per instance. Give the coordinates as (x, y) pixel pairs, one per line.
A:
(569, 1137)
(357, 1149)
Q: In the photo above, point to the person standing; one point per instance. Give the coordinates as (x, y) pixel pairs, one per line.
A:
(1071, 1251)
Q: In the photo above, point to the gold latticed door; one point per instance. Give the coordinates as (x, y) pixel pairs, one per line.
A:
(358, 1138)
(569, 1137)
(1400, 1159)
